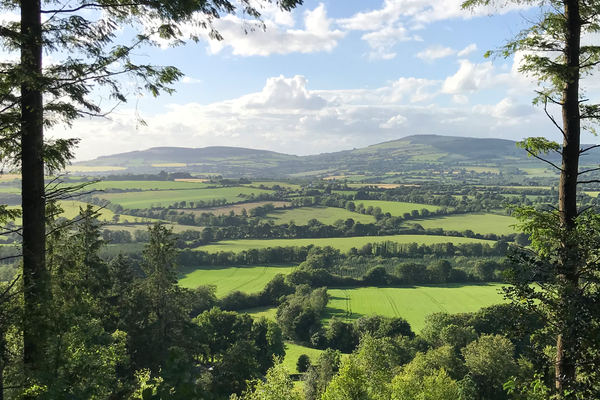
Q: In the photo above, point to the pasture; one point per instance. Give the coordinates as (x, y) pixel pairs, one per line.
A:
(411, 303)
(326, 215)
(395, 208)
(248, 279)
(344, 244)
(148, 185)
(168, 197)
(478, 223)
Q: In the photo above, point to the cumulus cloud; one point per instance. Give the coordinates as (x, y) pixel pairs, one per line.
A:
(432, 53)
(282, 93)
(467, 50)
(383, 40)
(416, 88)
(316, 36)
(394, 121)
(470, 77)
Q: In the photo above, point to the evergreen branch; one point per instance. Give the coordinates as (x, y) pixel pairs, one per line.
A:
(588, 170)
(589, 148)
(94, 5)
(532, 154)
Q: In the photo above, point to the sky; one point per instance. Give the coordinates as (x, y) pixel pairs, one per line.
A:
(333, 75)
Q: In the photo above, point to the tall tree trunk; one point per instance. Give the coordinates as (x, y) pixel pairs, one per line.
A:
(35, 275)
(565, 364)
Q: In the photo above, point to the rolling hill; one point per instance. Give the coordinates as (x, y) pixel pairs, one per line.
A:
(408, 153)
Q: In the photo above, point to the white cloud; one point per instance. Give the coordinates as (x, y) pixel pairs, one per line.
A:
(188, 79)
(467, 50)
(460, 99)
(282, 93)
(394, 121)
(470, 78)
(413, 86)
(383, 40)
(432, 53)
(317, 36)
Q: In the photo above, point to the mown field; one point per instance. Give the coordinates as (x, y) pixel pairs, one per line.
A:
(326, 215)
(395, 208)
(344, 244)
(248, 279)
(477, 222)
(410, 303)
(168, 197)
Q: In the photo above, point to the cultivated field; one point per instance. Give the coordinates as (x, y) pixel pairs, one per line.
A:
(394, 207)
(168, 197)
(326, 215)
(248, 279)
(344, 244)
(478, 223)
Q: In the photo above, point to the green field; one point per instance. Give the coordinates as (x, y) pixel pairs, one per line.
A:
(248, 279)
(410, 303)
(148, 185)
(344, 244)
(168, 197)
(326, 215)
(394, 207)
(478, 223)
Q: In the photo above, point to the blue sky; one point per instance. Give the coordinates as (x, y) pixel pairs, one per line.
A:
(330, 76)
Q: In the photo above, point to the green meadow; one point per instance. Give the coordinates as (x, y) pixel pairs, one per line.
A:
(344, 244)
(248, 279)
(168, 197)
(326, 215)
(148, 185)
(410, 303)
(395, 208)
(478, 223)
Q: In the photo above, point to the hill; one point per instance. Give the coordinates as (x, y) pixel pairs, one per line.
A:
(411, 153)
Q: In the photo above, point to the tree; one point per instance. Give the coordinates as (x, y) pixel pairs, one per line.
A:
(303, 363)
(561, 258)
(34, 97)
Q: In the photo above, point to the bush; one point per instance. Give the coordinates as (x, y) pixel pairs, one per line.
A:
(303, 363)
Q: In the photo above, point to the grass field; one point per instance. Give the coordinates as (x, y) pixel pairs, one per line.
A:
(478, 223)
(168, 197)
(293, 351)
(326, 215)
(148, 185)
(344, 244)
(84, 168)
(394, 207)
(410, 303)
(248, 279)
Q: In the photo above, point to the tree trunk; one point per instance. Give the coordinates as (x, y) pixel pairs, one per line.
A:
(35, 275)
(565, 364)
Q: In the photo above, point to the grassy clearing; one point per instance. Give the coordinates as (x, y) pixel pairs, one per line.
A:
(478, 223)
(148, 185)
(326, 215)
(592, 194)
(344, 244)
(394, 207)
(249, 279)
(168, 197)
(293, 351)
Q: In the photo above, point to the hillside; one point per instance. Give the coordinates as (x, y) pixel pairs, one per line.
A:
(411, 153)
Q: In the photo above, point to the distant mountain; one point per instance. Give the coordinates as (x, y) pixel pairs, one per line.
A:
(408, 153)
